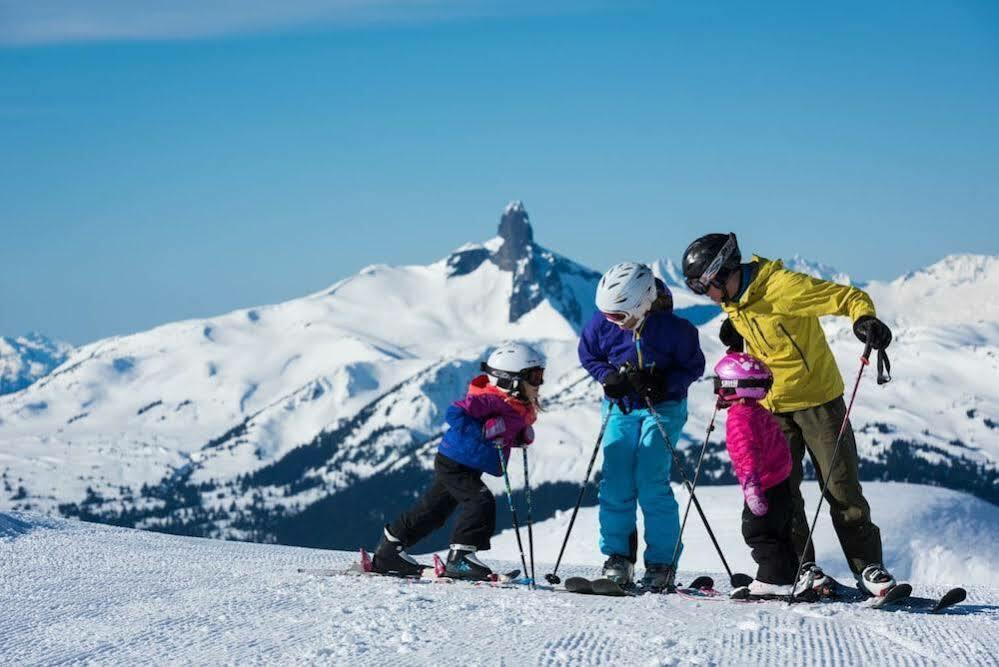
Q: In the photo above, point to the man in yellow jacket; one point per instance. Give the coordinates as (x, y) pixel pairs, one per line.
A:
(773, 314)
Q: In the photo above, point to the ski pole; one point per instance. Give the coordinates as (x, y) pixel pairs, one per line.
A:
(551, 577)
(530, 521)
(513, 511)
(697, 473)
(736, 580)
(864, 362)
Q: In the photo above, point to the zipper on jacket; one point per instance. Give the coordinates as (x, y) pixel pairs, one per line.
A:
(757, 325)
(800, 353)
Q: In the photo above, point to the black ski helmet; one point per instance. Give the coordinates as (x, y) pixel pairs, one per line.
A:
(710, 260)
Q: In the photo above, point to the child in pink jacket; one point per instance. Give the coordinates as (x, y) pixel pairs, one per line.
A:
(761, 458)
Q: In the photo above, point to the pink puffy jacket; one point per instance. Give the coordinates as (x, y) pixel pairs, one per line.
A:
(756, 445)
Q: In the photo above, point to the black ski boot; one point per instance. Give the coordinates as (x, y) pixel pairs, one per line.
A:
(462, 564)
(391, 558)
(658, 578)
(620, 570)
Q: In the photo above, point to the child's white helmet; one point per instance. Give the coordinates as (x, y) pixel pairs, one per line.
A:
(626, 293)
(511, 363)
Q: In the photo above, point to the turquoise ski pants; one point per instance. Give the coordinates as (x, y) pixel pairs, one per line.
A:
(635, 471)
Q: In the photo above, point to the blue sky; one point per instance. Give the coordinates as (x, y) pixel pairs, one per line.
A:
(160, 167)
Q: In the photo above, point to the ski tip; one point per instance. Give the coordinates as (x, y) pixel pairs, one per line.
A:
(739, 580)
(439, 567)
(893, 595)
(608, 587)
(365, 560)
(950, 598)
(902, 590)
(740, 593)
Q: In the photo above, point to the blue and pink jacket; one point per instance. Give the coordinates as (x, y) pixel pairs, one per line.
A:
(756, 445)
(465, 443)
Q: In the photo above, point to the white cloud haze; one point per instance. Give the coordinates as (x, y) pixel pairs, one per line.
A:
(26, 22)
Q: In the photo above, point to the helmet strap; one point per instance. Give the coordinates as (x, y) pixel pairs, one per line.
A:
(721, 283)
(507, 385)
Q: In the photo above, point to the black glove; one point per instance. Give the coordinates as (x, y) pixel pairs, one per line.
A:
(645, 381)
(616, 386)
(731, 338)
(872, 330)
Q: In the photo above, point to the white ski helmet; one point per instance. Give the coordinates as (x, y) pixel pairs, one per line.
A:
(626, 293)
(511, 363)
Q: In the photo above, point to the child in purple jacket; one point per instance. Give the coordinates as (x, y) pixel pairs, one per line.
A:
(761, 459)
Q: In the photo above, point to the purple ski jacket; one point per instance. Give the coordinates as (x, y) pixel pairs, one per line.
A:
(668, 342)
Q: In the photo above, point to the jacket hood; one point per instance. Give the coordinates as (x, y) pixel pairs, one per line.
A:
(764, 269)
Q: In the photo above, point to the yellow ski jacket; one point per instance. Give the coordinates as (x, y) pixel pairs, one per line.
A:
(778, 317)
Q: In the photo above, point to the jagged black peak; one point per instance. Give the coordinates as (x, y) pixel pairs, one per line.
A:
(538, 273)
(518, 237)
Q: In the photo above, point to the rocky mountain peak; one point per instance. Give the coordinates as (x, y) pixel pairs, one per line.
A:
(538, 274)
(518, 237)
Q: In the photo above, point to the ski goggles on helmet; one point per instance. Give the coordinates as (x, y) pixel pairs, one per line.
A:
(730, 387)
(623, 320)
(711, 275)
(533, 376)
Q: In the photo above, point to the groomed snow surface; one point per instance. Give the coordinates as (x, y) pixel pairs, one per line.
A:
(78, 593)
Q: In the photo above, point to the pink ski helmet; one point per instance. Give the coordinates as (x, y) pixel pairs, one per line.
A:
(741, 375)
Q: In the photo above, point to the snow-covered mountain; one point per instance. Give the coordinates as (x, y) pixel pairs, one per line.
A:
(25, 359)
(359, 372)
(817, 270)
(274, 423)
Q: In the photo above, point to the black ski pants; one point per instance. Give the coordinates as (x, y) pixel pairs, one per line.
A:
(815, 430)
(454, 485)
(769, 536)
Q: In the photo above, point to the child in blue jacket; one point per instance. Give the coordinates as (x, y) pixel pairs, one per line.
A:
(643, 355)
(496, 414)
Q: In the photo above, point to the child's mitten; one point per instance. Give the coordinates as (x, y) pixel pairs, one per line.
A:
(756, 500)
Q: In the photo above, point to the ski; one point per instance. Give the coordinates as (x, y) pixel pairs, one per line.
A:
(899, 597)
(894, 595)
(504, 580)
(949, 599)
(440, 570)
(363, 566)
(580, 585)
(700, 583)
(601, 586)
(835, 591)
(742, 594)
(431, 574)
(697, 594)
(932, 605)
(610, 588)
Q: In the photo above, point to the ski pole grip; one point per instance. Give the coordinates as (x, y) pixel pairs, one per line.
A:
(865, 358)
